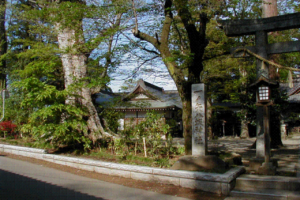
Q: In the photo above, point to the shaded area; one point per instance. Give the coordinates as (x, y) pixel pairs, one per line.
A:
(14, 187)
(287, 155)
(149, 186)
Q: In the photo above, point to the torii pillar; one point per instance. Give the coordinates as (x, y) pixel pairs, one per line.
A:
(260, 28)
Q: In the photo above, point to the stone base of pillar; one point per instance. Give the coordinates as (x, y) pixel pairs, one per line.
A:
(198, 163)
(256, 163)
(267, 168)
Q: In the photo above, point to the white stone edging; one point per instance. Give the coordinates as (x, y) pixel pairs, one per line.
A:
(210, 182)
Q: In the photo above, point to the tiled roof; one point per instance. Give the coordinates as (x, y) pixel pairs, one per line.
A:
(105, 96)
(148, 104)
(294, 98)
(158, 97)
(293, 93)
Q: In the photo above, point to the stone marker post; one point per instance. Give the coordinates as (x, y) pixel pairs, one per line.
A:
(199, 137)
(283, 131)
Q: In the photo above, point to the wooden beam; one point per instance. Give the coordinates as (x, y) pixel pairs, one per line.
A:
(275, 48)
(250, 26)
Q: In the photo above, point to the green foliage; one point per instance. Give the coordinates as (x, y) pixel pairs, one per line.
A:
(152, 128)
(112, 118)
(37, 85)
(42, 111)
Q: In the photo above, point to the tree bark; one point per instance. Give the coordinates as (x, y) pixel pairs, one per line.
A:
(75, 69)
(244, 129)
(187, 125)
(269, 9)
(209, 116)
(3, 44)
(244, 120)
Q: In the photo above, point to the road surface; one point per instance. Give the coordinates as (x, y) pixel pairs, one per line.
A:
(23, 180)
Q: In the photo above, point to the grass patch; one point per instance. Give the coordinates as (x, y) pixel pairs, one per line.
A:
(106, 154)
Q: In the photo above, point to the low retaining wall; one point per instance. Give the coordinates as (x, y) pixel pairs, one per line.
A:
(210, 182)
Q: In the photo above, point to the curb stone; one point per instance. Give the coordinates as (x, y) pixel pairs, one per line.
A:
(210, 182)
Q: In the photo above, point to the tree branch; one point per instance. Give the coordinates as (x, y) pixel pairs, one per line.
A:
(216, 56)
(138, 68)
(96, 41)
(143, 48)
(167, 23)
(146, 37)
(183, 46)
(135, 15)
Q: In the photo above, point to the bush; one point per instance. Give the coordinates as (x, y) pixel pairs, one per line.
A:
(8, 128)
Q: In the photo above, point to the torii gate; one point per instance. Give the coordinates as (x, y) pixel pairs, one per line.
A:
(260, 28)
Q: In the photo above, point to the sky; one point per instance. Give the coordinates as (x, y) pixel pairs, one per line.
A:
(155, 74)
(166, 84)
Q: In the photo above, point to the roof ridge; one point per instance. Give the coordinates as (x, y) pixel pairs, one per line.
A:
(147, 84)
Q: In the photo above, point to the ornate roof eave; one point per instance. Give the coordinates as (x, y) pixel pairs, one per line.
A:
(139, 88)
(294, 90)
(264, 80)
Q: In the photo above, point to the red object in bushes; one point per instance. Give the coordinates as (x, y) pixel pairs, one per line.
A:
(7, 126)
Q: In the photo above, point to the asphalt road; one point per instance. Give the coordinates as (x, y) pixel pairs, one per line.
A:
(21, 180)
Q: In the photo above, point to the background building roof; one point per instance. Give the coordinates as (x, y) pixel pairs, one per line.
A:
(154, 96)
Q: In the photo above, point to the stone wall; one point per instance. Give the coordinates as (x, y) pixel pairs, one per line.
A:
(210, 182)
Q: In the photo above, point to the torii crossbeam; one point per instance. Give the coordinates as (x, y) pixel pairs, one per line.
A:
(260, 28)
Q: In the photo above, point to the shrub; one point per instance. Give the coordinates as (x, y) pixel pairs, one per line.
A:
(7, 127)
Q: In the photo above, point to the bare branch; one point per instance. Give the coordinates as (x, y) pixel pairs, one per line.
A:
(143, 48)
(183, 46)
(135, 15)
(146, 37)
(102, 33)
(138, 68)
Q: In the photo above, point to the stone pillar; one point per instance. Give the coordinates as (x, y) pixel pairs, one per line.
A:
(267, 167)
(199, 136)
(260, 138)
(298, 165)
(283, 130)
(244, 129)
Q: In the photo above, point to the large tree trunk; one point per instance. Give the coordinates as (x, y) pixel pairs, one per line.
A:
(244, 120)
(75, 69)
(244, 129)
(187, 120)
(3, 44)
(209, 116)
(269, 9)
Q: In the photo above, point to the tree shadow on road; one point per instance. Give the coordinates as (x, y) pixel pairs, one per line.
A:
(14, 187)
